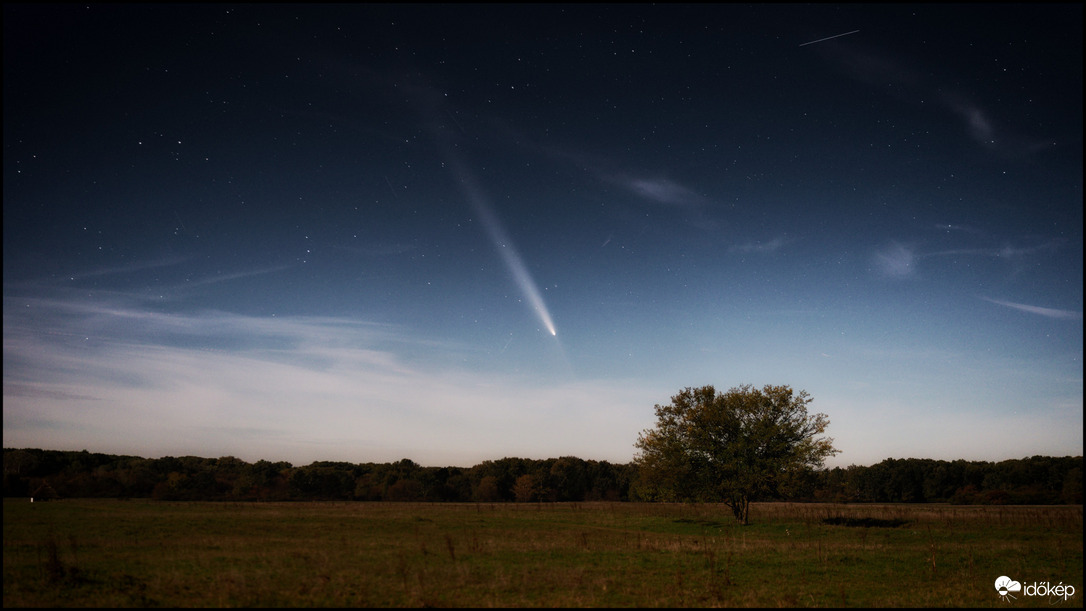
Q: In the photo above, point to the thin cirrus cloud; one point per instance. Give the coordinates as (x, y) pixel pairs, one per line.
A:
(952, 227)
(754, 247)
(668, 193)
(104, 274)
(910, 83)
(228, 277)
(661, 190)
(976, 119)
(657, 190)
(119, 270)
(1040, 311)
(1007, 251)
(112, 373)
(895, 260)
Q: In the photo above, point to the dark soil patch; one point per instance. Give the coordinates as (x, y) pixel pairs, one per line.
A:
(708, 523)
(865, 522)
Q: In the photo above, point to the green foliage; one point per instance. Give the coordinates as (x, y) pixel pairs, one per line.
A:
(744, 445)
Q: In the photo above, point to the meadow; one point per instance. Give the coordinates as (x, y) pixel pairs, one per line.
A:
(142, 553)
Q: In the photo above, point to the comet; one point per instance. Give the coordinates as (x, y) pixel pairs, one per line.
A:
(828, 38)
(503, 244)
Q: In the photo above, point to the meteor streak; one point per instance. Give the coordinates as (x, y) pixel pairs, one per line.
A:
(828, 38)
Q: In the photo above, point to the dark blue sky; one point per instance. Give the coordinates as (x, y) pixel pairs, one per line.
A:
(456, 233)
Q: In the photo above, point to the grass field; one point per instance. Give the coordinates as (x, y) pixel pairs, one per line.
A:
(143, 553)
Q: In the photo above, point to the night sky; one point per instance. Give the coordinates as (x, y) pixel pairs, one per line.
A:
(458, 233)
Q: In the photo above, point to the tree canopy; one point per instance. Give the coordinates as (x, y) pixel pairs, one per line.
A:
(736, 447)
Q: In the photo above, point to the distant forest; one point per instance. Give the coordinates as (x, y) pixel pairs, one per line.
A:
(1038, 480)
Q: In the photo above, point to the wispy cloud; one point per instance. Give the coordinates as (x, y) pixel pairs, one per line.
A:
(16, 389)
(382, 248)
(1018, 257)
(954, 227)
(115, 376)
(976, 119)
(661, 190)
(1040, 311)
(120, 279)
(759, 247)
(895, 260)
(1008, 251)
(131, 268)
(910, 83)
(227, 277)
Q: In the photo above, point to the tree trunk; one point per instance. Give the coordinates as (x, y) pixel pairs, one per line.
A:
(741, 509)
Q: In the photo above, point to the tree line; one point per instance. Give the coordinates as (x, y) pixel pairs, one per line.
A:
(1034, 480)
(86, 474)
(1038, 480)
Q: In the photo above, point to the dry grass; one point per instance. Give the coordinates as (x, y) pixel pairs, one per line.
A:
(136, 553)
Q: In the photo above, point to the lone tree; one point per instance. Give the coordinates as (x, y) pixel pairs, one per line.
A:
(735, 447)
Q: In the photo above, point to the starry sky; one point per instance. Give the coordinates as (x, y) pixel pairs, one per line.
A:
(455, 233)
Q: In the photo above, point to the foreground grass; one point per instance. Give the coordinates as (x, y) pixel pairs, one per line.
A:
(144, 553)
